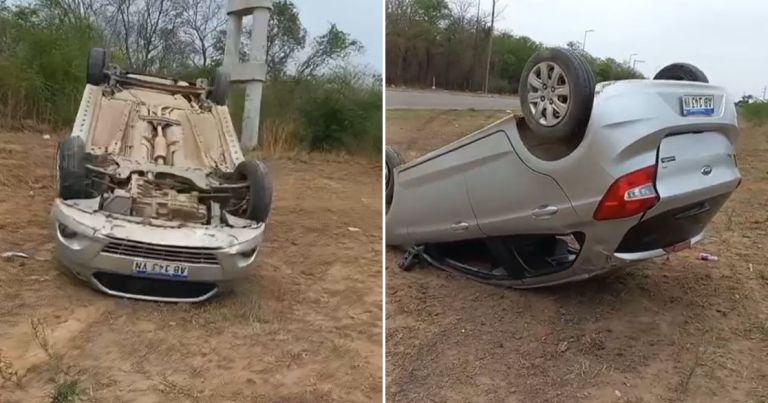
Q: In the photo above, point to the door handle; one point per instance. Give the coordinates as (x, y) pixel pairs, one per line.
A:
(544, 212)
(459, 226)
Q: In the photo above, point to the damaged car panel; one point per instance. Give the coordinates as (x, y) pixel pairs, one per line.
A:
(156, 200)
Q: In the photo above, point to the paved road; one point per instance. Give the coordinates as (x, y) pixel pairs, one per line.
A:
(438, 99)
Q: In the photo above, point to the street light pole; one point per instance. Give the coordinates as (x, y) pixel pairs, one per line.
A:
(635, 62)
(490, 48)
(630, 58)
(584, 42)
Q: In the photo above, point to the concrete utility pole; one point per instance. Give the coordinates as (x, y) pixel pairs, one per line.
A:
(254, 72)
(490, 47)
(584, 42)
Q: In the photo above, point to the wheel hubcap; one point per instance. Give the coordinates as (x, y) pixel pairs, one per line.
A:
(548, 107)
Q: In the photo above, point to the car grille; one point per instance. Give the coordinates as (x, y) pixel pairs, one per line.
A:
(180, 254)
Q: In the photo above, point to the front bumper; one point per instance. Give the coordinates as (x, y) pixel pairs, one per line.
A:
(107, 244)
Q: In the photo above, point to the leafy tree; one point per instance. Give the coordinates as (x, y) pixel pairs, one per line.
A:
(286, 36)
(333, 45)
(447, 42)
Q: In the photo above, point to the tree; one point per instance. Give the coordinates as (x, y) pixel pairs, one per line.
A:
(329, 47)
(147, 32)
(202, 22)
(286, 36)
(447, 41)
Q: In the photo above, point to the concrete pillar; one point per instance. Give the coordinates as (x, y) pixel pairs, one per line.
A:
(254, 72)
(253, 89)
(232, 45)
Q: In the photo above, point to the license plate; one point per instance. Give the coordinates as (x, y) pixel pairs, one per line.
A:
(678, 247)
(698, 105)
(160, 269)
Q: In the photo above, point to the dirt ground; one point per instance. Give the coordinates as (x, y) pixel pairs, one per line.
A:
(304, 326)
(663, 331)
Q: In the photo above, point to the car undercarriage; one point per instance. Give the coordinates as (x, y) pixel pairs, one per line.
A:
(154, 188)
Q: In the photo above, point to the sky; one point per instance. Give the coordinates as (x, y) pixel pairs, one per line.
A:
(724, 38)
(360, 18)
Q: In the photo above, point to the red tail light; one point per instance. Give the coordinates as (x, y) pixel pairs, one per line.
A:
(629, 195)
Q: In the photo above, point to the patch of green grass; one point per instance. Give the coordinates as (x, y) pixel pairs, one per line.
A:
(755, 112)
(66, 391)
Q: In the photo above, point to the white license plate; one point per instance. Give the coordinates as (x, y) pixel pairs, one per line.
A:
(160, 269)
(698, 105)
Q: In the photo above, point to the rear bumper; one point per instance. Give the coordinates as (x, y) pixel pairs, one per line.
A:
(214, 256)
(593, 263)
(672, 226)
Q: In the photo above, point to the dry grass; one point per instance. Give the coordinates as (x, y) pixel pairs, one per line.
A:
(279, 137)
(8, 373)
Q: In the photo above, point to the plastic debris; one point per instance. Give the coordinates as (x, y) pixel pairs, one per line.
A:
(46, 136)
(707, 257)
(353, 229)
(12, 254)
(7, 255)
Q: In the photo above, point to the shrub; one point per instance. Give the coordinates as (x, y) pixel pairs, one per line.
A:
(756, 112)
(340, 110)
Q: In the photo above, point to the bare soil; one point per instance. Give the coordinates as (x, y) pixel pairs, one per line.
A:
(305, 325)
(669, 330)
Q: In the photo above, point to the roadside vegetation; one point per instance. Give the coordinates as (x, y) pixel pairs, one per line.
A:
(753, 110)
(314, 99)
(447, 41)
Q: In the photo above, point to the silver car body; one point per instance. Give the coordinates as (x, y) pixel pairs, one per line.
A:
(108, 243)
(496, 182)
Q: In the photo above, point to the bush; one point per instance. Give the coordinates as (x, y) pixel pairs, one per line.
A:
(340, 110)
(756, 112)
(42, 63)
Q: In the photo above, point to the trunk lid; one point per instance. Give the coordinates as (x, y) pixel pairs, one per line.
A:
(695, 175)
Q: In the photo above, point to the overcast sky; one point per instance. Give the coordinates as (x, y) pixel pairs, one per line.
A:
(361, 18)
(724, 38)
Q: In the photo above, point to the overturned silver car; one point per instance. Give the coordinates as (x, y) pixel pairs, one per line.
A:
(155, 200)
(590, 178)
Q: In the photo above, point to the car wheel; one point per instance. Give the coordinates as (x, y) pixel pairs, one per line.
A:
(258, 202)
(557, 89)
(393, 160)
(220, 90)
(681, 72)
(71, 172)
(97, 62)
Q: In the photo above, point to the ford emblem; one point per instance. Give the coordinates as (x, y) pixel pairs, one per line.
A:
(706, 170)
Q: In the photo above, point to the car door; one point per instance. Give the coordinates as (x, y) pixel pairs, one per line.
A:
(430, 202)
(508, 197)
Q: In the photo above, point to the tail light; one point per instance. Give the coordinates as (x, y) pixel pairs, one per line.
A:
(629, 195)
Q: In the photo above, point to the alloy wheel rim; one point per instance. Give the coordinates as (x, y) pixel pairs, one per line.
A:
(549, 94)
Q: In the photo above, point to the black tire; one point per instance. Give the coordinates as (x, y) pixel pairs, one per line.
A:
(393, 159)
(259, 191)
(581, 89)
(220, 89)
(681, 72)
(72, 176)
(97, 62)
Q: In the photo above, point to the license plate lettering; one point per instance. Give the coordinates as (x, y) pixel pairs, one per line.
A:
(698, 105)
(161, 269)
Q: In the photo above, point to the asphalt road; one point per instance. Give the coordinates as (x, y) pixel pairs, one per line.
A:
(438, 99)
